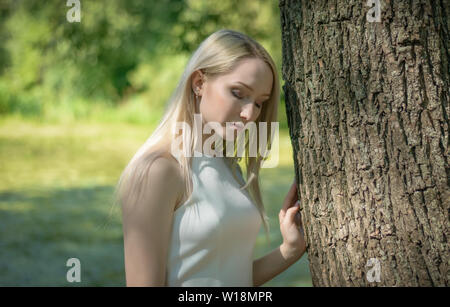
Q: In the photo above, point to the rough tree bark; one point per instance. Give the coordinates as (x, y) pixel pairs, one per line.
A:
(367, 107)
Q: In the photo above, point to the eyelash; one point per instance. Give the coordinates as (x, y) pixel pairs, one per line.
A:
(257, 105)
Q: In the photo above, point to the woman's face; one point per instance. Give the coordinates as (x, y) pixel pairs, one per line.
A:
(234, 97)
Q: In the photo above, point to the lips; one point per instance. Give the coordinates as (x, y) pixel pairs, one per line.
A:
(238, 125)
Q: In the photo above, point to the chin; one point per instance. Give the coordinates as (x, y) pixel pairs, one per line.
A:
(229, 135)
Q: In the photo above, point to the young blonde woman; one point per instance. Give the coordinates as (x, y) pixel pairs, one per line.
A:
(193, 221)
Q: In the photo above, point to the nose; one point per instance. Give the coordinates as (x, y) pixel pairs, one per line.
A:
(248, 112)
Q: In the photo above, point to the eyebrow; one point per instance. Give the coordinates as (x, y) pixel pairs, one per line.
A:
(247, 86)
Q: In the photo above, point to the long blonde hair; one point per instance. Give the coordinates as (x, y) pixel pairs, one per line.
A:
(218, 54)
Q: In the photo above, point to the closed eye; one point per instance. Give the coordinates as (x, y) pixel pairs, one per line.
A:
(259, 106)
(235, 95)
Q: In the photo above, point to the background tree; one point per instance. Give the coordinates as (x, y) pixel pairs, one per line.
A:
(367, 107)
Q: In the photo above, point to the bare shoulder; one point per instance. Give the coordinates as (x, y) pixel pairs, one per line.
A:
(155, 178)
(167, 168)
(168, 173)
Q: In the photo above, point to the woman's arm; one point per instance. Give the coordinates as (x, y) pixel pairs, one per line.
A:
(274, 263)
(293, 246)
(147, 224)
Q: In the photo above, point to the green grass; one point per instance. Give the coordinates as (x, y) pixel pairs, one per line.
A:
(56, 185)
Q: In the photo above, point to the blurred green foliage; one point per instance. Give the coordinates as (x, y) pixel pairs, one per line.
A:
(122, 60)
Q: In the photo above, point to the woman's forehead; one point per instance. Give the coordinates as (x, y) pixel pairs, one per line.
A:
(253, 73)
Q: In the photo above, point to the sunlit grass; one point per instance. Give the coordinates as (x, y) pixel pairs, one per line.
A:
(56, 185)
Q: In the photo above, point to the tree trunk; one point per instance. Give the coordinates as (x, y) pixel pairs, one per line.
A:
(367, 107)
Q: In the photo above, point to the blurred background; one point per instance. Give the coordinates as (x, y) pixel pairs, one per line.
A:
(76, 102)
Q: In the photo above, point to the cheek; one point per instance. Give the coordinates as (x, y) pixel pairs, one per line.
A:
(217, 107)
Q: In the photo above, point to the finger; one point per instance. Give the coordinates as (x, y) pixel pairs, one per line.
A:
(282, 213)
(290, 214)
(291, 197)
(281, 216)
(298, 218)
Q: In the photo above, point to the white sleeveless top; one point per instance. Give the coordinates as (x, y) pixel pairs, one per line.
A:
(214, 231)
